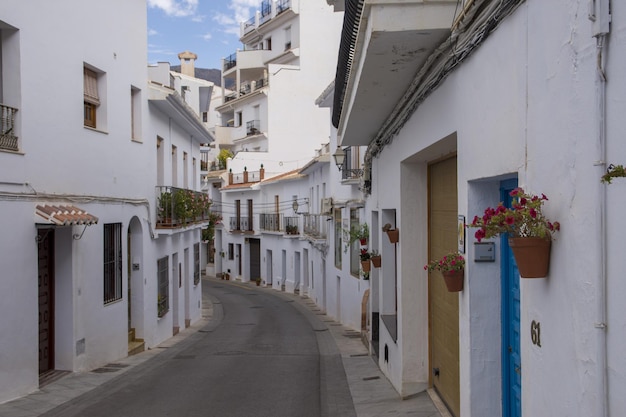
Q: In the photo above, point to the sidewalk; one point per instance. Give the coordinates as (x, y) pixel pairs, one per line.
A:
(372, 394)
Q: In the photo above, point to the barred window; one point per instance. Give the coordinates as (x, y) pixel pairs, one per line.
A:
(163, 304)
(355, 249)
(196, 264)
(338, 234)
(112, 262)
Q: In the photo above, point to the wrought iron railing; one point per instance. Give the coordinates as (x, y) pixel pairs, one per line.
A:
(282, 5)
(270, 222)
(8, 139)
(348, 172)
(241, 224)
(230, 61)
(178, 207)
(315, 225)
(291, 225)
(253, 127)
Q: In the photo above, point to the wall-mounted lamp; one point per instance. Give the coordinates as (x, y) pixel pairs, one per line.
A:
(340, 157)
(295, 206)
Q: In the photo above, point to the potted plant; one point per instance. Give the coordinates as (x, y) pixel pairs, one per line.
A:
(365, 260)
(452, 267)
(165, 208)
(357, 232)
(375, 258)
(613, 171)
(393, 234)
(529, 231)
(258, 281)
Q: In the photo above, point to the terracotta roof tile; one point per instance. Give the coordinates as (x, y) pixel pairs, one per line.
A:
(64, 215)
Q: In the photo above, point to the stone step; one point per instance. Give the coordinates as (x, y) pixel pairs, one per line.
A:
(136, 346)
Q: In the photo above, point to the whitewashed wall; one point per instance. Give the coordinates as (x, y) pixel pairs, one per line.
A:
(524, 104)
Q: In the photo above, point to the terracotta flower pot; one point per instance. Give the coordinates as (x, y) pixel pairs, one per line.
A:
(532, 255)
(394, 235)
(376, 261)
(453, 280)
(366, 266)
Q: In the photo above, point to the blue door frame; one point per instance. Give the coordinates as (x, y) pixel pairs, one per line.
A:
(511, 357)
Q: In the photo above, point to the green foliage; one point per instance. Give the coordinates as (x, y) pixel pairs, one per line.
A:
(222, 157)
(613, 171)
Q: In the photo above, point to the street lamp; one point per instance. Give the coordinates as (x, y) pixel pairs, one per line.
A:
(339, 157)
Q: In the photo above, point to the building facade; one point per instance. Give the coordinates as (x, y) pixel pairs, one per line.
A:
(92, 269)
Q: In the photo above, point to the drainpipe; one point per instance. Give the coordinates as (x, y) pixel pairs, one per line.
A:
(599, 14)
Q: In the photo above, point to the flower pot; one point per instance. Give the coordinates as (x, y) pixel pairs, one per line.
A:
(376, 261)
(258, 283)
(394, 235)
(453, 280)
(366, 266)
(363, 241)
(532, 255)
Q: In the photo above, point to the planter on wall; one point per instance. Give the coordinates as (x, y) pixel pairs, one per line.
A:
(366, 266)
(532, 255)
(394, 235)
(376, 261)
(453, 280)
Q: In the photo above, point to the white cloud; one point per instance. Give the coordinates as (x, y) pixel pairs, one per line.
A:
(176, 8)
(152, 32)
(207, 36)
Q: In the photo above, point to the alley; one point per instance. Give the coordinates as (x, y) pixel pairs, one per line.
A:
(258, 356)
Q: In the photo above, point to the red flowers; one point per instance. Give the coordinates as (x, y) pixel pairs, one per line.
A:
(524, 219)
(450, 262)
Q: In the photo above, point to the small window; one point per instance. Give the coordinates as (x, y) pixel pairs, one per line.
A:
(338, 240)
(268, 44)
(112, 262)
(288, 38)
(355, 259)
(196, 264)
(91, 96)
(163, 304)
(231, 252)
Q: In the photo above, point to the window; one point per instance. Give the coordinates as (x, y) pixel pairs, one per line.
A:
(355, 259)
(268, 44)
(10, 97)
(231, 252)
(239, 116)
(288, 38)
(338, 233)
(163, 296)
(135, 113)
(91, 96)
(112, 262)
(196, 263)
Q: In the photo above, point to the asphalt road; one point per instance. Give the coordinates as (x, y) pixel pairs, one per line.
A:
(262, 355)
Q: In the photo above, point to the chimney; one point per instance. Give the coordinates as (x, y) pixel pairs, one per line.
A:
(187, 63)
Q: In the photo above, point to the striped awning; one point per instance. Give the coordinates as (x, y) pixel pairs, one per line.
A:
(64, 215)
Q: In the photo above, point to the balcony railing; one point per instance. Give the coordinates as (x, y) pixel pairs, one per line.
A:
(270, 222)
(282, 5)
(241, 224)
(178, 207)
(315, 226)
(253, 127)
(348, 172)
(8, 140)
(291, 225)
(230, 61)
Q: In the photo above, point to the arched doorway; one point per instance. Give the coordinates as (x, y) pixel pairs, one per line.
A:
(135, 286)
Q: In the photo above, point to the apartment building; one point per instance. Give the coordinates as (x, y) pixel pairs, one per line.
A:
(459, 103)
(93, 268)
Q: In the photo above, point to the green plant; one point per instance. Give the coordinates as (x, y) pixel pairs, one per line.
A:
(453, 261)
(613, 171)
(357, 232)
(365, 255)
(165, 205)
(209, 232)
(291, 229)
(223, 156)
(183, 205)
(523, 219)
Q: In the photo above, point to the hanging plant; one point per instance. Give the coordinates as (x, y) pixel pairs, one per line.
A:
(613, 171)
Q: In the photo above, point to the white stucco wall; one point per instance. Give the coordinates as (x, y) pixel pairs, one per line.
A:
(523, 104)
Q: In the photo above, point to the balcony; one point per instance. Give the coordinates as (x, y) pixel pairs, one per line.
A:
(253, 127)
(246, 176)
(179, 207)
(351, 167)
(277, 222)
(315, 226)
(8, 139)
(270, 10)
(241, 224)
(398, 38)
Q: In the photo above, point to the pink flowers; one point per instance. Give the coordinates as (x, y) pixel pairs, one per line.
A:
(450, 262)
(524, 219)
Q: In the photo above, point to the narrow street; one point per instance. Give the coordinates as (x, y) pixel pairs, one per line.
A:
(259, 356)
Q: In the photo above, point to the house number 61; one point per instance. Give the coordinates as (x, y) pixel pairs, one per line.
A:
(535, 333)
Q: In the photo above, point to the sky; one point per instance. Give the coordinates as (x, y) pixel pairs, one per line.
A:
(208, 28)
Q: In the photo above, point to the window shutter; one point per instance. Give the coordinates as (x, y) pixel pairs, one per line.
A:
(91, 87)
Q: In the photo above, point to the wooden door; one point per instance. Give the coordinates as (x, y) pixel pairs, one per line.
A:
(45, 251)
(443, 305)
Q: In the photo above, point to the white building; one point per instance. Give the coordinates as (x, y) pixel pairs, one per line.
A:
(479, 99)
(82, 235)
